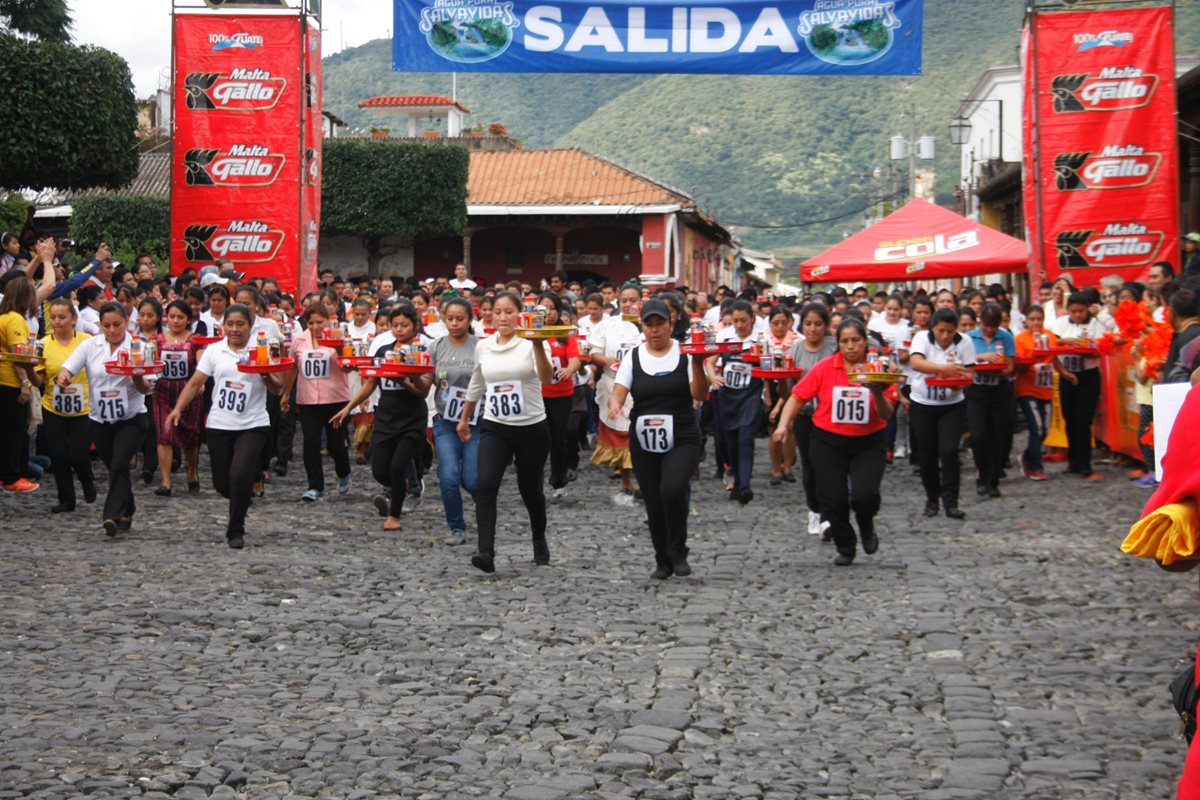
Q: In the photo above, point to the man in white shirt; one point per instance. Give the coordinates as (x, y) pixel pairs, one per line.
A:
(461, 281)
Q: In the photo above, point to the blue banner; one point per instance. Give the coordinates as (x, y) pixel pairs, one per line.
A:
(795, 37)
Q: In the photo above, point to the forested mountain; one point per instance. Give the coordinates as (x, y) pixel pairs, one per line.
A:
(774, 157)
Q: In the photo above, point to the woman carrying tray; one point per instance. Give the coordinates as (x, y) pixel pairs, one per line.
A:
(780, 339)
(118, 410)
(1035, 388)
(815, 345)
(179, 353)
(558, 395)
(848, 439)
(64, 411)
(238, 424)
(738, 401)
(457, 461)
(946, 357)
(16, 384)
(990, 399)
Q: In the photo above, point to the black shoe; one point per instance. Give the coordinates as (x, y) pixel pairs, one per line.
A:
(843, 560)
(682, 568)
(125, 523)
(954, 512)
(541, 553)
(572, 475)
(280, 468)
(637, 494)
(237, 542)
(163, 491)
(362, 461)
(776, 480)
(89, 494)
(789, 477)
(382, 505)
(616, 473)
(483, 562)
(994, 492)
(827, 535)
(110, 527)
(720, 472)
(870, 539)
(194, 488)
(734, 494)
(662, 572)
(147, 477)
(63, 508)
(931, 508)
(982, 491)
(746, 496)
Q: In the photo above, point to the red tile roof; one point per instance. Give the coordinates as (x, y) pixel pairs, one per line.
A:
(411, 101)
(561, 177)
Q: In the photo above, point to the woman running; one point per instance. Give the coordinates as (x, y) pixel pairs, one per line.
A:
(457, 461)
(737, 401)
(815, 345)
(238, 423)
(508, 377)
(1035, 389)
(665, 438)
(894, 330)
(16, 384)
(1080, 389)
(322, 389)
(848, 440)
(149, 331)
(780, 339)
(939, 412)
(990, 401)
(557, 396)
(400, 417)
(179, 355)
(609, 343)
(65, 410)
(118, 411)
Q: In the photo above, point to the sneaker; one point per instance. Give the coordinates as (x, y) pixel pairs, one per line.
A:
(814, 523)
(344, 484)
(1025, 470)
(730, 481)
(1037, 476)
(456, 537)
(572, 475)
(826, 536)
(889, 456)
(382, 504)
(624, 498)
(312, 495)
(415, 495)
(901, 451)
(1093, 477)
(558, 495)
(20, 485)
(1134, 474)
(280, 468)
(1147, 481)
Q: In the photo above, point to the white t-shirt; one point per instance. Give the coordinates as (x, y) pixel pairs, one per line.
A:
(268, 325)
(465, 283)
(112, 397)
(1063, 328)
(88, 321)
(239, 398)
(652, 365)
(613, 338)
(923, 344)
(895, 335)
(366, 332)
(210, 322)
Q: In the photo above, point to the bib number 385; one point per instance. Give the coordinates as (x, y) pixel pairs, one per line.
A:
(655, 434)
(851, 405)
(68, 401)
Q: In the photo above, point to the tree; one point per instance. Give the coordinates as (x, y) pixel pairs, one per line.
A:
(47, 20)
(129, 224)
(14, 211)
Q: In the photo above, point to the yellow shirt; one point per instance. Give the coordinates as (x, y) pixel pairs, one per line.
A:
(73, 402)
(13, 330)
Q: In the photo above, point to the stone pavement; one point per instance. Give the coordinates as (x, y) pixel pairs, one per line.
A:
(1018, 654)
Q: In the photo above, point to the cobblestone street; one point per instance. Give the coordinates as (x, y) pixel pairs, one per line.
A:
(1017, 654)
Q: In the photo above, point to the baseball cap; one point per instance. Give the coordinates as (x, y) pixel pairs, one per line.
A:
(1193, 237)
(232, 274)
(211, 278)
(655, 308)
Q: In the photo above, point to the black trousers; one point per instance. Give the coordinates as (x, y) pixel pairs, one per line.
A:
(314, 419)
(803, 426)
(235, 457)
(938, 430)
(67, 442)
(577, 426)
(268, 450)
(1079, 409)
(665, 482)
(1145, 420)
(117, 443)
(989, 418)
(150, 445)
(498, 443)
(851, 470)
(558, 414)
(392, 463)
(14, 435)
(285, 431)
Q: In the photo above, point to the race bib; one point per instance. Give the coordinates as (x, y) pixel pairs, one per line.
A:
(1072, 363)
(655, 434)
(941, 394)
(556, 363)
(68, 401)
(851, 405)
(623, 352)
(232, 396)
(110, 405)
(1043, 376)
(456, 401)
(505, 399)
(315, 365)
(175, 365)
(986, 379)
(737, 375)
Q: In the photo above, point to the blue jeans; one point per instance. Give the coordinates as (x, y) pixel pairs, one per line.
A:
(1037, 420)
(458, 468)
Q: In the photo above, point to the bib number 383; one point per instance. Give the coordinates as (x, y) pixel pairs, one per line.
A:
(851, 405)
(655, 434)
(505, 399)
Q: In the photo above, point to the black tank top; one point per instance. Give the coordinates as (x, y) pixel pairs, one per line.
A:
(666, 394)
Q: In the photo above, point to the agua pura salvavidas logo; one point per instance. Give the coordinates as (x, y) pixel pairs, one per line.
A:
(468, 31)
(849, 32)
(1117, 246)
(235, 41)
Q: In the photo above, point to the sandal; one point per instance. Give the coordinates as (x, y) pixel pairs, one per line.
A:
(388, 526)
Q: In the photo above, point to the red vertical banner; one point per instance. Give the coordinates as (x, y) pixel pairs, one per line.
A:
(312, 128)
(237, 158)
(1101, 177)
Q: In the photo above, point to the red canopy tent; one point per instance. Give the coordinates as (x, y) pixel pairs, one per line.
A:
(919, 242)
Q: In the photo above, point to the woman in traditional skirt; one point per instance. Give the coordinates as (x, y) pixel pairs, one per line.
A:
(179, 362)
(610, 342)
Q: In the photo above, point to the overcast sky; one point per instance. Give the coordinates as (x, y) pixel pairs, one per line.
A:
(140, 31)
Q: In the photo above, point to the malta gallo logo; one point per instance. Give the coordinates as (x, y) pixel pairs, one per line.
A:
(1112, 89)
(244, 241)
(1114, 167)
(239, 90)
(1116, 247)
(239, 166)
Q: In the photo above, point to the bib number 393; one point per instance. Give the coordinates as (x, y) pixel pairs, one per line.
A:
(505, 400)
(851, 405)
(655, 434)
(232, 397)
(737, 375)
(68, 401)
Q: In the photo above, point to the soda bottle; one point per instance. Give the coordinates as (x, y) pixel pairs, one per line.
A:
(135, 352)
(262, 355)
